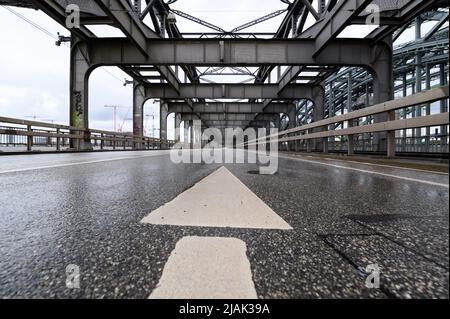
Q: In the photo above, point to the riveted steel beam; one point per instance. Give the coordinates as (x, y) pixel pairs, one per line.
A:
(231, 52)
(229, 91)
(227, 107)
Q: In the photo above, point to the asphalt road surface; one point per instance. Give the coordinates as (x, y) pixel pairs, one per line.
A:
(139, 226)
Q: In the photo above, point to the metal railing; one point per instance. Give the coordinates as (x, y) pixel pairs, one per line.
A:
(322, 130)
(32, 135)
(434, 144)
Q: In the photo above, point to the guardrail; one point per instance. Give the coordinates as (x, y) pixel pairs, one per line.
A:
(17, 132)
(320, 129)
(430, 145)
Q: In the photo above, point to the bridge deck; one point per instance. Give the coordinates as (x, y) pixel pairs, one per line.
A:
(87, 209)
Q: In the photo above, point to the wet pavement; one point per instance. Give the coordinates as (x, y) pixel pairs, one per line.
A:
(85, 209)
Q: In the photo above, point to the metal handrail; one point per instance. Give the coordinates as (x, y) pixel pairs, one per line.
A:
(57, 133)
(389, 106)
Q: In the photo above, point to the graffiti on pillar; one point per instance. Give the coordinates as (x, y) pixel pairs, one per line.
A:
(77, 116)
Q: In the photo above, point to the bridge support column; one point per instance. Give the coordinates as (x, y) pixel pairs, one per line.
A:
(382, 72)
(309, 144)
(350, 138)
(325, 145)
(202, 142)
(443, 107)
(391, 137)
(196, 134)
(292, 114)
(277, 122)
(350, 141)
(318, 114)
(177, 127)
(191, 133)
(80, 69)
(138, 111)
(186, 134)
(163, 114)
(268, 134)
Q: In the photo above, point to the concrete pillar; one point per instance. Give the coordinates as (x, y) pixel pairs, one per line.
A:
(80, 70)
(138, 111)
(382, 72)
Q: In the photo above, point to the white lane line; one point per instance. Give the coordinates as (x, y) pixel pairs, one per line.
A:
(219, 200)
(379, 165)
(77, 163)
(367, 171)
(207, 268)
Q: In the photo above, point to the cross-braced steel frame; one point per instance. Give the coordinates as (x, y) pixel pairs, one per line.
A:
(293, 76)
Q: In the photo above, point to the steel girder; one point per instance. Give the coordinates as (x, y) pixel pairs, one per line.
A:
(433, 48)
(331, 22)
(57, 11)
(227, 117)
(228, 107)
(18, 3)
(120, 11)
(326, 30)
(234, 124)
(341, 16)
(230, 91)
(231, 52)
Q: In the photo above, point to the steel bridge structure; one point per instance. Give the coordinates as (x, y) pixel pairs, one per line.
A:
(308, 161)
(293, 76)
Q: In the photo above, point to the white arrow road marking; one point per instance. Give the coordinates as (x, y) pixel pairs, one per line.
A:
(207, 268)
(219, 200)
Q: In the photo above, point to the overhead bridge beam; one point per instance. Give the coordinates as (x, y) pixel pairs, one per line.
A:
(235, 124)
(228, 107)
(229, 91)
(231, 52)
(229, 117)
(121, 12)
(57, 12)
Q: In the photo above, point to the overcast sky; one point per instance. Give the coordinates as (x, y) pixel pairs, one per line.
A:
(34, 79)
